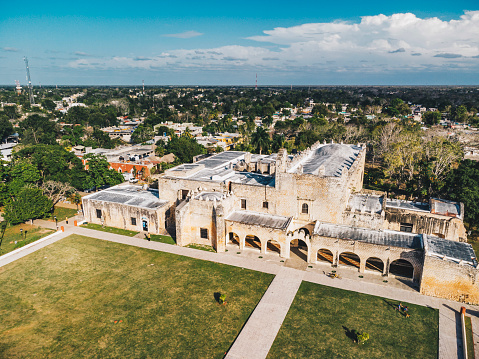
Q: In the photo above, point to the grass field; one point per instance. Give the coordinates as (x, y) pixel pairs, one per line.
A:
(99, 227)
(13, 234)
(201, 247)
(61, 213)
(87, 298)
(321, 320)
(162, 239)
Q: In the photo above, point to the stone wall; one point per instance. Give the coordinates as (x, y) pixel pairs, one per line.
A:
(451, 228)
(450, 280)
(119, 215)
(193, 214)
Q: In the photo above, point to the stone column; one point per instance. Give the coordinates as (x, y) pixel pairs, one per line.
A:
(264, 245)
(362, 265)
(241, 242)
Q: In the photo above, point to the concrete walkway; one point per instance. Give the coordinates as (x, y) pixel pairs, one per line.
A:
(275, 301)
(259, 332)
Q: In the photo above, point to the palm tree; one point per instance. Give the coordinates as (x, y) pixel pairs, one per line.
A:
(260, 139)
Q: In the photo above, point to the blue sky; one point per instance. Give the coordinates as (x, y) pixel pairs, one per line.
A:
(227, 43)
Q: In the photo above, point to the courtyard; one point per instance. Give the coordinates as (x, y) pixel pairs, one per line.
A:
(85, 297)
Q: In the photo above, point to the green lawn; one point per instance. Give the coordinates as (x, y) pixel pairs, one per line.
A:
(321, 319)
(61, 213)
(99, 227)
(469, 338)
(63, 300)
(162, 239)
(13, 234)
(201, 247)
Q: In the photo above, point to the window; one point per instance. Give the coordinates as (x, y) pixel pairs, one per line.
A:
(184, 193)
(406, 227)
(243, 204)
(204, 233)
(304, 208)
(133, 221)
(98, 213)
(265, 205)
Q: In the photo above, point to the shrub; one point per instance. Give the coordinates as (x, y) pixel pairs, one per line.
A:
(362, 337)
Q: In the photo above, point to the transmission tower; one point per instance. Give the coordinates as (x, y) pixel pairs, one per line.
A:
(30, 87)
(18, 87)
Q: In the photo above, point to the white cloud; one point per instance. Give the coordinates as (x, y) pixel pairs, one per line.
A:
(10, 49)
(185, 35)
(400, 42)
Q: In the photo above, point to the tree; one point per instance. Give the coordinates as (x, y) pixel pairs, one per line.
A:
(21, 173)
(100, 173)
(431, 118)
(56, 191)
(142, 134)
(38, 129)
(29, 203)
(362, 337)
(54, 163)
(460, 114)
(184, 148)
(75, 198)
(440, 156)
(48, 104)
(260, 140)
(11, 112)
(6, 128)
(462, 186)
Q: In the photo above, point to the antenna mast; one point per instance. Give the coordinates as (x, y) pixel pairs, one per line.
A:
(18, 87)
(30, 87)
(256, 86)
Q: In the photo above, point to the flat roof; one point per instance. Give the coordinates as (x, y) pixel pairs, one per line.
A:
(365, 203)
(450, 250)
(412, 206)
(385, 237)
(129, 195)
(260, 219)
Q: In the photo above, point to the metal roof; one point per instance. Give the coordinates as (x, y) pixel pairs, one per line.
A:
(129, 195)
(365, 203)
(385, 238)
(260, 219)
(334, 157)
(450, 250)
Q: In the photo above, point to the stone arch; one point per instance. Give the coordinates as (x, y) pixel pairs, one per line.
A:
(402, 268)
(119, 170)
(349, 259)
(252, 241)
(233, 238)
(325, 255)
(375, 264)
(298, 246)
(273, 246)
(305, 231)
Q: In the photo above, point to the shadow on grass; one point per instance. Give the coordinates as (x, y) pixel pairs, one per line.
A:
(394, 306)
(351, 334)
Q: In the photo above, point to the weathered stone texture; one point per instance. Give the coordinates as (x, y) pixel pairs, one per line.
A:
(450, 280)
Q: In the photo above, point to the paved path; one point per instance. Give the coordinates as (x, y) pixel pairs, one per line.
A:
(259, 332)
(450, 345)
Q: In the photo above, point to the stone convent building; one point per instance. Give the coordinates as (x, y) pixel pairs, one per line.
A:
(311, 204)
